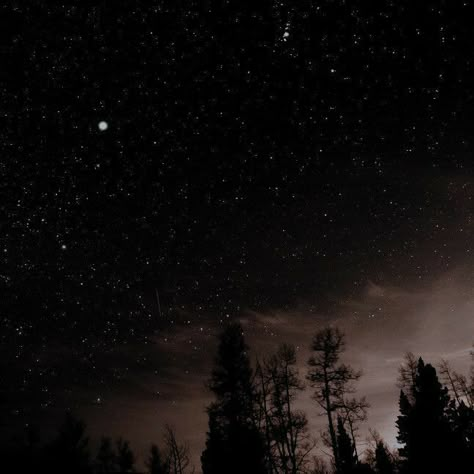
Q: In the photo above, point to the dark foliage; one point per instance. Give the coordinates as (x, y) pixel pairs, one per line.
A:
(346, 455)
(156, 464)
(333, 381)
(383, 461)
(125, 456)
(69, 452)
(288, 440)
(435, 424)
(429, 440)
(106, 460)
(234, 444)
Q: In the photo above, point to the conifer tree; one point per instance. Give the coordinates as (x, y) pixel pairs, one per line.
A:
(346, 455)
(383, 460)
(427, 440)
(461, 411)
(234, 443)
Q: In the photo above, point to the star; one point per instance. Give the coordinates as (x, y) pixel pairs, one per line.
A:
(103, 126)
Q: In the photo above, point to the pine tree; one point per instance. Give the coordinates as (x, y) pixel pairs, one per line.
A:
(346, 455)
(461, 410)
(234, 443)
(404, 423)
(423, 427)
(383, 460)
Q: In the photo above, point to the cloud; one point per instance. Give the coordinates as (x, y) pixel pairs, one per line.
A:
(381, 324)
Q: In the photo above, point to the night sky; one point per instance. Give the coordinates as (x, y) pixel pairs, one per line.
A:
(170, 166)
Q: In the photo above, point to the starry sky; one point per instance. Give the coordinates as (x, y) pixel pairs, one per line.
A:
(170, 166)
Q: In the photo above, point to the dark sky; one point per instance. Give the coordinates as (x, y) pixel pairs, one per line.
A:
(284, 162)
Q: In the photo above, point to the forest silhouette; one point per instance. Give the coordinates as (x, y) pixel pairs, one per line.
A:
(255, 427)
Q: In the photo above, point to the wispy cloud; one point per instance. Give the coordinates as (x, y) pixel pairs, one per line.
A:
(381, 324)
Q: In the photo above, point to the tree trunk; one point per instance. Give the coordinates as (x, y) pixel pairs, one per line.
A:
(332, 431)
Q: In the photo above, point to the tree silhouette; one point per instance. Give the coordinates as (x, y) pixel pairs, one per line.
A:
(178, 454)
(352, 412)
(331, 379)
(407, 373)
(471, 386)
(106, 459)
(69, 451)
(155, 463)
(461, 410)
(383, 460)
(435, 424)
(285, 428)
(458, 385)
(461, 418)
(125, 456)
(346, 453)
(234, 443)
(22, 453)
(319, 466)
(428, 441)
(378, 456)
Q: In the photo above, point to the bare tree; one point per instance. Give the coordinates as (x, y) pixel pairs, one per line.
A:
(155, 462)
(378, 454)
(331, 379)
(353, 412)
(407, 375)
(372, 440)
(177, 454)
(286, 429)
(263, 419)
(472, 373)
(458, 384)
(319, 466)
